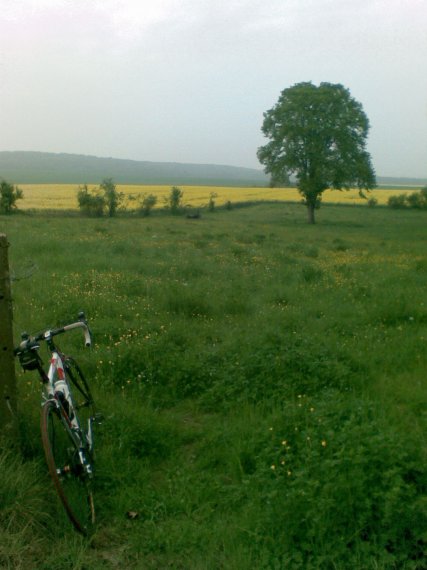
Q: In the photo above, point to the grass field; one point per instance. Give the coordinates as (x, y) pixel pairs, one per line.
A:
(64, 196)
(263, 383)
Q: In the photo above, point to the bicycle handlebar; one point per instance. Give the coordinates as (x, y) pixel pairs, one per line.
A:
(29, 342)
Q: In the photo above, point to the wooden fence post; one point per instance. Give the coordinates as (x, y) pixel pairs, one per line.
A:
(8, 423)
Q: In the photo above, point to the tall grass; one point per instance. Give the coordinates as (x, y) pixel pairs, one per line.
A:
(263, 384)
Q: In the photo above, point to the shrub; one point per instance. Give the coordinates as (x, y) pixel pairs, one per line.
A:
(91, 202)
(147, 203)
(397, 202)
(94, 202)
(415, 200)
(418, 200)
(9, 194)
(211, 203)
(372, 202)
(174, 200)
(112, 198)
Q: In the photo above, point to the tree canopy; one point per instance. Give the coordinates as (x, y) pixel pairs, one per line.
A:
(318, 135)
(9, 194)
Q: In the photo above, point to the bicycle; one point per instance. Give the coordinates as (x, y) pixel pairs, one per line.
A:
(66, 421)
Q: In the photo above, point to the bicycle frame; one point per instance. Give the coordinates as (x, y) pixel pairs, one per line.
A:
(56, 387)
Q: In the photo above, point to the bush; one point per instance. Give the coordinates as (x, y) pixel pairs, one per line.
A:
(372, 202)
(112, 198)
(174, 200)
(9, 194)
(91, 202)
(418, 200)
(211, 203)
(415, 200)
(397, 202)
(147, 203)
(98, 200)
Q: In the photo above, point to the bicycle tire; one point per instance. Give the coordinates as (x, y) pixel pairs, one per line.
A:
(70, 480)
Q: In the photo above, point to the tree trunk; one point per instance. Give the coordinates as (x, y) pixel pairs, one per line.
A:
(310, 211)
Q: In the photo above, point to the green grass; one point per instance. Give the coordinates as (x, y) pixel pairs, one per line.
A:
(216, 341)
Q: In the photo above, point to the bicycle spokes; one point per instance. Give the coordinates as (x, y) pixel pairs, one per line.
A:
(69, 468)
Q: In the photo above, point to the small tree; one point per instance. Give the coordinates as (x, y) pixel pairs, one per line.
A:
(174, 200)
(318, 135)
(147, 204)
(91, 202)
(211, 203)
(113, 198)
(9, 195)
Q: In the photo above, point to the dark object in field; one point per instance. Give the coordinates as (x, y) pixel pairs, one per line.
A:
(193, 216)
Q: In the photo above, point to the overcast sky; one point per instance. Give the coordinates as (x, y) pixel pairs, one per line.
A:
(189, 80)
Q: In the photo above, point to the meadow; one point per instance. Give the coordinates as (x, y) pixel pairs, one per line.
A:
(64, 196)
(263, 383)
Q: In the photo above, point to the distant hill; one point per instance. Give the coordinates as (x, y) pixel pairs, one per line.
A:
(401, 182)
(26, 167)
(21, 167)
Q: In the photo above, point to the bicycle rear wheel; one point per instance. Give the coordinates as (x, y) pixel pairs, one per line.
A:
(66, 470)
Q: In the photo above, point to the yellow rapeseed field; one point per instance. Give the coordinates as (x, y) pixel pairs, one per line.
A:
(64, 196)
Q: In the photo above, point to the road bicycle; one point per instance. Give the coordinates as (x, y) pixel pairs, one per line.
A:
(67, 416)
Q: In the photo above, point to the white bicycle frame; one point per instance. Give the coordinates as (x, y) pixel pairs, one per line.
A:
(57, 384)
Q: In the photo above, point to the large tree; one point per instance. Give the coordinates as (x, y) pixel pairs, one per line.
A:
(318, 135)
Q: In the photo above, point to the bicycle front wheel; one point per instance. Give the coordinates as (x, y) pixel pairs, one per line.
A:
(66, 470)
